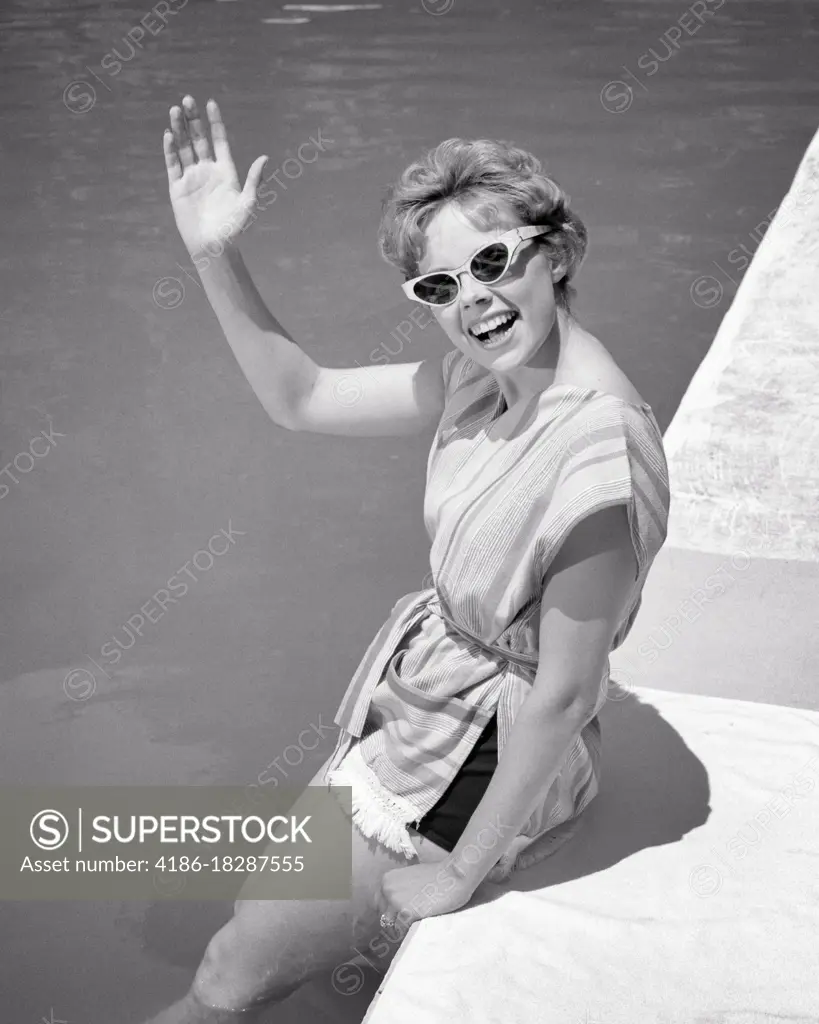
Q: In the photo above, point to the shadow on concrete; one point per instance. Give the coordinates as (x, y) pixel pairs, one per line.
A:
(653, 791)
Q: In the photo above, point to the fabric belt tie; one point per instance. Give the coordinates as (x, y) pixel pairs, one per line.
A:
(516, 657)
(406, 614)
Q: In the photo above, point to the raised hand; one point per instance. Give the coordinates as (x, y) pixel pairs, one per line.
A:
(209, 206)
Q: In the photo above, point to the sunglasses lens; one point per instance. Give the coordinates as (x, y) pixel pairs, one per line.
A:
(489, 264)
(437, 289)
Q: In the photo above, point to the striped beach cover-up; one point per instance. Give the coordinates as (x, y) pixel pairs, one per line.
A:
(504, 488)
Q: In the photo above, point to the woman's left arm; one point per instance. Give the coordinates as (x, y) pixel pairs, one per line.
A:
(585, 598)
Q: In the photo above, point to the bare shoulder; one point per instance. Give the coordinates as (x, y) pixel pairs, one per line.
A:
(588, 364)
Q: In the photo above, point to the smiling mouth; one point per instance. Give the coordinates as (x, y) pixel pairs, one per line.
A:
(494, 329)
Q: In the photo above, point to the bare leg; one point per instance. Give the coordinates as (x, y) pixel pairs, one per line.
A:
(270, 948)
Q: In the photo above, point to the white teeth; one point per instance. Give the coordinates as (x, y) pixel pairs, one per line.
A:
(489, 325)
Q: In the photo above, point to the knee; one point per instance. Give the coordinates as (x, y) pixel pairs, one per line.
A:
(228, 980)
(216, 981)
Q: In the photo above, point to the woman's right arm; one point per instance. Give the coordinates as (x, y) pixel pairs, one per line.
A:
(297, 393)
(212, 211)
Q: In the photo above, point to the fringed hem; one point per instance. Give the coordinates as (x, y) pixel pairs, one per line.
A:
(377, 813)
(384, 816)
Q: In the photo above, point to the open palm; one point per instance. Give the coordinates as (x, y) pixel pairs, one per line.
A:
(209, 205)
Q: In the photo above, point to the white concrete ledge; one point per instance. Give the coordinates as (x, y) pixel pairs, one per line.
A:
(690, 895)
(743, 448)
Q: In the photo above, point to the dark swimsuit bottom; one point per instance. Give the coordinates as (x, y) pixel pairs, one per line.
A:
(444, 823)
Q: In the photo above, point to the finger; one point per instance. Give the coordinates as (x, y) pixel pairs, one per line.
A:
(395, 916)
(402, 921)
(390, 924)
(171, 157)
(253, 177)
(198, 137)
(386, 911)
(180, 135)
(221, 149)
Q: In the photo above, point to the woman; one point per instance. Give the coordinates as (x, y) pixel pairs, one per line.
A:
(469, 733)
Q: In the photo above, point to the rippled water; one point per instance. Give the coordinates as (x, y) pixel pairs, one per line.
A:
(675, 137)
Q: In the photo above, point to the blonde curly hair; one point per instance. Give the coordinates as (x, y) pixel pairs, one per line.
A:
(477, 175)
